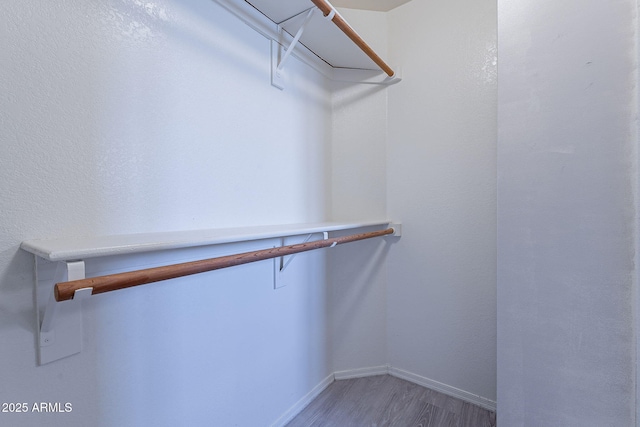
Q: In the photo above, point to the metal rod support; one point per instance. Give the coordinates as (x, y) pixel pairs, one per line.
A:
(295, 40)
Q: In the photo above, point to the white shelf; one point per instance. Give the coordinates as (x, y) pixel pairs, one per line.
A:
(79, 248)
(60, 333)
(322, 45)
(320, 36)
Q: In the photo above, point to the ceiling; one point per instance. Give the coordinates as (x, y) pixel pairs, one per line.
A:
(380, 5)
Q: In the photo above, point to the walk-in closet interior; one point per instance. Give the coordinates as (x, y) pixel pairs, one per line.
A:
(233, 212)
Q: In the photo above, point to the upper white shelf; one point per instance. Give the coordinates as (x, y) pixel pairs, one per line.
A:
(323, 44)
(321, 37)
(79, 248)
(280, 11)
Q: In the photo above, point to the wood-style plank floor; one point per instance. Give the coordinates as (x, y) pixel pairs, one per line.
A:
(384, 400)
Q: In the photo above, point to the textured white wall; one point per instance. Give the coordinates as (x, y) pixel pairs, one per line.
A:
(441, 172)
(567, 117)
(126, 116)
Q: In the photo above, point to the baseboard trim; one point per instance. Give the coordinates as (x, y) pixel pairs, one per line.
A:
(383, 370)
(361, 372)
(444, 388)
(302, 403)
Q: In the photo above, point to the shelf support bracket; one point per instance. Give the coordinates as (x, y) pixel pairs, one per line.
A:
(60, 333)
(279, 263)
(277, 64)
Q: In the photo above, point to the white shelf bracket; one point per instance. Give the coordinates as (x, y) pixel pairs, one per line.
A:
(277, 63)
(280, 264)
(60, 333)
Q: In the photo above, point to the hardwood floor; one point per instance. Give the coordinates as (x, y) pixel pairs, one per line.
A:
(388, 401)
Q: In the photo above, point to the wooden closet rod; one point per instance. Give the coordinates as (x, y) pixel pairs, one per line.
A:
(65, 290)
(326, 9)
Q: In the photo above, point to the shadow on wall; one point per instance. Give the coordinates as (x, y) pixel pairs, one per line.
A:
(16, 284)
(347, 94)
(358, 297)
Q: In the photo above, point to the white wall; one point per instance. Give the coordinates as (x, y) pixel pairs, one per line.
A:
(566, 151)
(124, 116)
(359, 185)
(441, 167)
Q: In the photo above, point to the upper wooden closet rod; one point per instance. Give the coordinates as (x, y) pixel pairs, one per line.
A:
(326, 9)
(65, 290)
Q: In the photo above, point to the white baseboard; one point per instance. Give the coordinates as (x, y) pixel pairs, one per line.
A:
(383, 370)
(361, 372)
(444, 388)
(302, 403)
